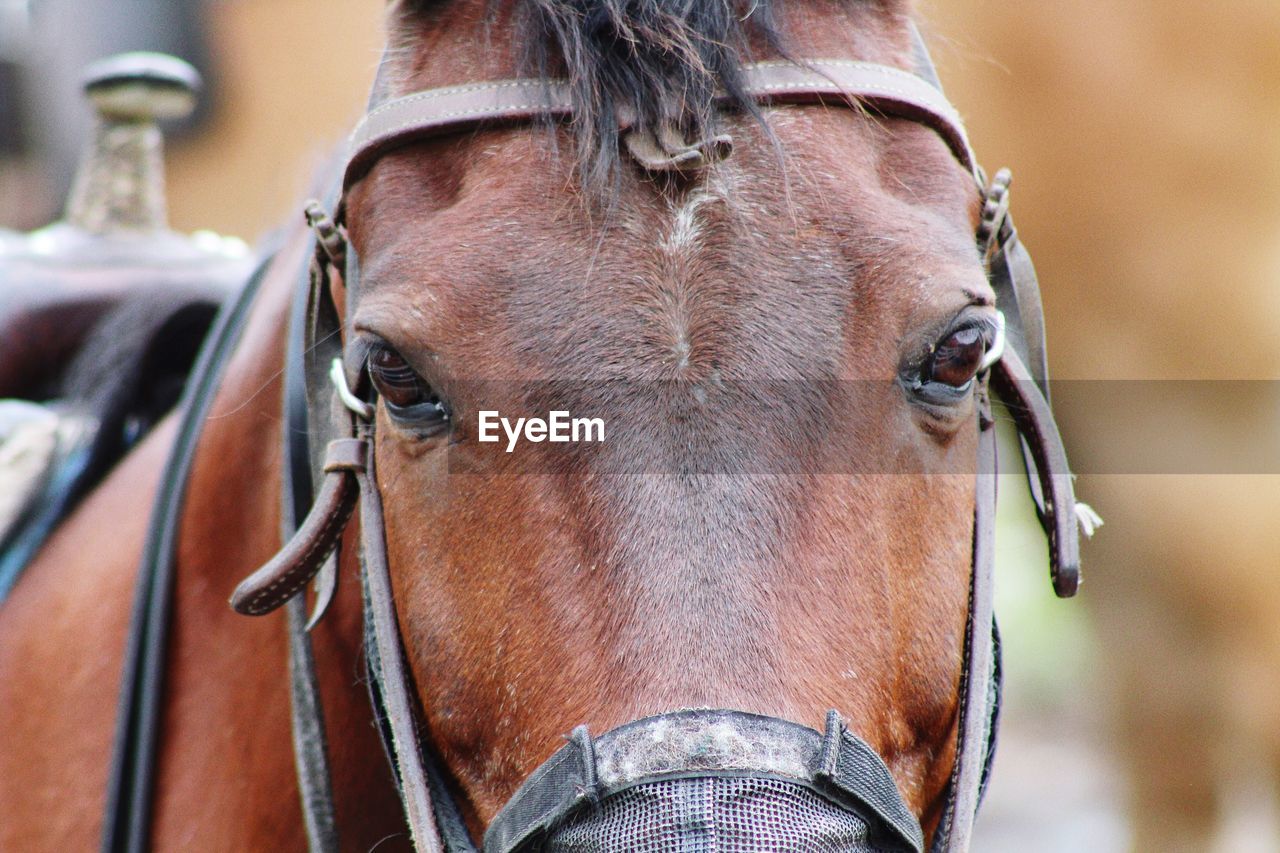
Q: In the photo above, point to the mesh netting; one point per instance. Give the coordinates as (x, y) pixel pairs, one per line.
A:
(725, 814)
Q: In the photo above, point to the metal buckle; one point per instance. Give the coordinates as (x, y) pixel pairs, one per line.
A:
(329, 237)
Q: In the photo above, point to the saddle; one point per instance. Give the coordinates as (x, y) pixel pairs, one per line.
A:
(96, 388)
(102, 314)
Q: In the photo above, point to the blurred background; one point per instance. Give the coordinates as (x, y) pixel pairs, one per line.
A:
(1144, 137)
(1145, 142)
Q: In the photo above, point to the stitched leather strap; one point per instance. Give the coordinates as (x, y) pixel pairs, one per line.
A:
(394, 679)
(891, 91)
(436, 112)
(300, 559)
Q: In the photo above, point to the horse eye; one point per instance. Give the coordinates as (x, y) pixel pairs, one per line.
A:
(400, 386)
(956, 360)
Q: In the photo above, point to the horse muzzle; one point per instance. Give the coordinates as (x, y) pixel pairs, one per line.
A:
(709, 780)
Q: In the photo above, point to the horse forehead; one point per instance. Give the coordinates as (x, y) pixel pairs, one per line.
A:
(742, 249)
(685, 277)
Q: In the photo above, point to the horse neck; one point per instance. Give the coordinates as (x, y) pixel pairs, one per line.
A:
(228, 679)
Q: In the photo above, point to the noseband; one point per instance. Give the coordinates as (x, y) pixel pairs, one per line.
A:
(327, 395)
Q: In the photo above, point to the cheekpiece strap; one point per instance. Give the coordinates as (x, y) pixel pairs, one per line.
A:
(1060, 516)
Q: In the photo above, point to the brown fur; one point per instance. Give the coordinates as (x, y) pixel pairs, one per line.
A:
(535, 599)
(592, 591)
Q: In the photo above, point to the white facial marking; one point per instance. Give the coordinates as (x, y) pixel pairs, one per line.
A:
(679, 245)
(685, 227)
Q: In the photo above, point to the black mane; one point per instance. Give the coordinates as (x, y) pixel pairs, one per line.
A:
(657, 60)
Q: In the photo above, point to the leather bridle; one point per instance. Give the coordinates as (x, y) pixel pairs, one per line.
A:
(346, 475)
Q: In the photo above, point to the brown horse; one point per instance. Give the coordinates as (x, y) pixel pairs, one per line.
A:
(813, 305)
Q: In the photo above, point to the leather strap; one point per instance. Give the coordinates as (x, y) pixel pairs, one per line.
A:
(285, 575)
(889, 91)
(1030, 410)
(978, 680)
(978, 713)
(393, 675)
(308, 552)
(310, 743)
(436, 112)
(1013, 277)
(322, 343)
(130, 780)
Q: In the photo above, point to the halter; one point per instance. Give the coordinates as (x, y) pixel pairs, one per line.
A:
(326, 397)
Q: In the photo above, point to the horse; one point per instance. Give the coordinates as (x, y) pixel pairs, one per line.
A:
(761, 275)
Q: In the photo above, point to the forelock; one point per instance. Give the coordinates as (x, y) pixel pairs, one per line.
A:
(659, 61)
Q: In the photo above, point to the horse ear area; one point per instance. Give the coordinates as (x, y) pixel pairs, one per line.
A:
(288, 572)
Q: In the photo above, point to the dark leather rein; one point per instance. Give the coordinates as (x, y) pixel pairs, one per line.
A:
(346, 476)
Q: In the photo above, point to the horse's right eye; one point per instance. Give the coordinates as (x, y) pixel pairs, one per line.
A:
(407, 395)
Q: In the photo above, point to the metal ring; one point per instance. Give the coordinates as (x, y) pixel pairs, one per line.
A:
(338, 377)
(996, 350)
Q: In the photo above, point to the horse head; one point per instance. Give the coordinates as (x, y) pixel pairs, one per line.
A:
(765, 305)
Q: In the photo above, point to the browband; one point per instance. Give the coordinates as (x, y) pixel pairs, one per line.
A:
(436, 112)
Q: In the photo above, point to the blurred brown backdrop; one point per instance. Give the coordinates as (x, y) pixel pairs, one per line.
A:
(294, 76)
(1145, 142)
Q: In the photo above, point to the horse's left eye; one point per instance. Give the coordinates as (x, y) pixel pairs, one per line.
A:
(407, 395)
(955, 361)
